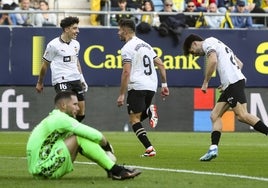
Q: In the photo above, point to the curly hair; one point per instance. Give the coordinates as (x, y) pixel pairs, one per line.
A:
(68, 21)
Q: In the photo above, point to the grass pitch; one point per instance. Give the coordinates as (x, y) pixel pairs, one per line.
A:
(242, 162)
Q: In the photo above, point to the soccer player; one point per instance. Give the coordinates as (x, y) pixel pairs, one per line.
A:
(61, 55)
(55, 142)
(140, 79)
(221, 58)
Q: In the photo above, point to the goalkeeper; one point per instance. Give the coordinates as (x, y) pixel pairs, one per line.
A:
(55, 142)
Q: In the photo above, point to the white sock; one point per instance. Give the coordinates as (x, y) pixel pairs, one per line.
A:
(213, 147)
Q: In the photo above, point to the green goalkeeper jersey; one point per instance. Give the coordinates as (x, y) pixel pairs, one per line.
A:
(51, 131)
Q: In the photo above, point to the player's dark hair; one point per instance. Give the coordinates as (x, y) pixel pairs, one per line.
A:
(188, 43)
(128, 23)
(69, 21)
(63, 95)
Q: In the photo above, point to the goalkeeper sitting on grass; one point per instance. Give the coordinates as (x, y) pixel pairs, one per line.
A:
(55, 142)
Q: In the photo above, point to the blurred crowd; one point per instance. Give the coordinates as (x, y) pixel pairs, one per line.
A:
(151, 17)
(221, 7)
(26, 19)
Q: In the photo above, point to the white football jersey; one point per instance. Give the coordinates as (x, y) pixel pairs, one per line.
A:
(141, 56)
(227, 67)
(63, 59)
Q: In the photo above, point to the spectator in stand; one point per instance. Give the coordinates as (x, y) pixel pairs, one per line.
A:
(223, 5)
(147, 21)
(254, 6)
(190, 20)
(264, 5)
(45, 19)
(241, 21)
(122, 6)
(201, 5)
(114, 4)
(230, 5)
(35, 4)
(25, 19)
(147, 6)
(134, 4)
(213, 21)
(6, 18)
(226, 5)
(179, 5)
(152, 19)
(168, 4)
(172, 24)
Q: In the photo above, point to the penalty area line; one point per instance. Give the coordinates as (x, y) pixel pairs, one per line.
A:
(192, 172)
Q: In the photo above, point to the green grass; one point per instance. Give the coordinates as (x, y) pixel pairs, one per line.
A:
(242, 162)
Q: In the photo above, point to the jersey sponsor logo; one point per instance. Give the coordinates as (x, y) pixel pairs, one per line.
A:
(66, 58)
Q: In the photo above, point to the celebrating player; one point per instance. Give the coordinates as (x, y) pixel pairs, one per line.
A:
(221, 58)
(140, 79)
(62, 56)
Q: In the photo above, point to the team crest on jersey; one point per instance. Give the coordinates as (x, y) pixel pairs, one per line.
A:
(75, 49)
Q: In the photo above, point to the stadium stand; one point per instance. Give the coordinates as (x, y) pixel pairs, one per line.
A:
(72, 5)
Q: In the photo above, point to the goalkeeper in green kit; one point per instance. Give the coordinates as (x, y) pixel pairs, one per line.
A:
(55, 142)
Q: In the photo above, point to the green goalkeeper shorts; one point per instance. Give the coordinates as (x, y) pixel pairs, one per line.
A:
(55, 165)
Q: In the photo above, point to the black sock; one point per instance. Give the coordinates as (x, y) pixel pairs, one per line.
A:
(215, 137)
(144, 115)
(261, 127)
(141, 134)
(80, 118)
(107, 147)
(116, 169)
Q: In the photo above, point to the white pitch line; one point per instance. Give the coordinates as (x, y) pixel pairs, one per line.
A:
(192, 172)
(174, 170)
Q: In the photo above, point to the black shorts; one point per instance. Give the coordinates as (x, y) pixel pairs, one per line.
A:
(234, 93)
(139, 100)
(75, 86)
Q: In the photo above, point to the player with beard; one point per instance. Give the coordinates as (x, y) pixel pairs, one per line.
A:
(139, 78)
(55, 142)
